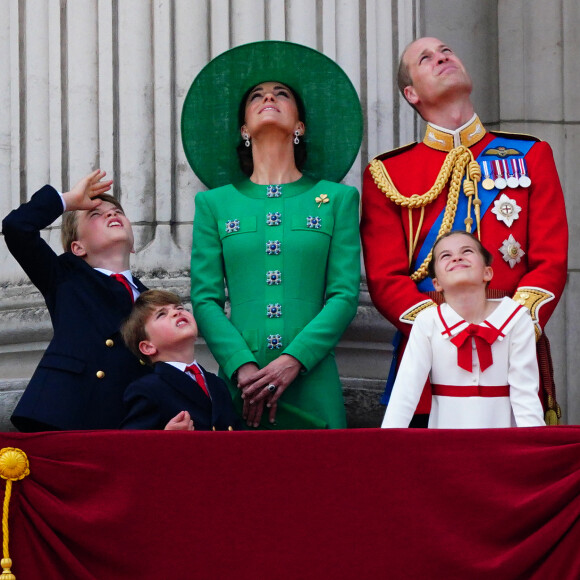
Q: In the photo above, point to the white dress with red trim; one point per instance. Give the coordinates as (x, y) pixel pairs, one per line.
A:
(482, 376)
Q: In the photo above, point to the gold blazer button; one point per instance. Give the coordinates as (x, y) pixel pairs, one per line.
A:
(100, 374)
(109, 342)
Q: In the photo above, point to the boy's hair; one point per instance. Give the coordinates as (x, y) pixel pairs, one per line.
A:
(133, 329)
(485, 254)
(69, 228)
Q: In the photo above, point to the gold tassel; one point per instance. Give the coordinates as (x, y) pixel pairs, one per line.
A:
(553, 414)
(13, 467)
(550, 419)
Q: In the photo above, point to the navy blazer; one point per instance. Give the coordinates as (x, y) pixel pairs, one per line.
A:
(80, 380)
(153, 400)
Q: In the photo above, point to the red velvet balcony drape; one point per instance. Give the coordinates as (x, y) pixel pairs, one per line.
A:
(361, 504)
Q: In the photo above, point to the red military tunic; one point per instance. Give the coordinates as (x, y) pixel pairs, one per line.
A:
(530, 254)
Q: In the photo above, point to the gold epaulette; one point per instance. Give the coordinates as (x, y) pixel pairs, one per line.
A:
(394, 152)
(410, 315)
(522, 136)
(533, 298)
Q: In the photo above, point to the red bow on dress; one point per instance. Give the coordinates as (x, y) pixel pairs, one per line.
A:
(484, 337)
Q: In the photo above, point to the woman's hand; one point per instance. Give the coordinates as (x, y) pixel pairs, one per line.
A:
(280, 373)
(246, 374)
(252, 414)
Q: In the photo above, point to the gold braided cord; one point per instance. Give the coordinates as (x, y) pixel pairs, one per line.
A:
(419, 226)
(414, 240)
(411, 240)
(472, 177)
(458, 163)
(386, 185)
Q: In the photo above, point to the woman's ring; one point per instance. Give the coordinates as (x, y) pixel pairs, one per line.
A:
(271, 388)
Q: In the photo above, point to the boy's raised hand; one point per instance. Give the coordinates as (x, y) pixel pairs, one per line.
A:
(82, 194)
(181, 422)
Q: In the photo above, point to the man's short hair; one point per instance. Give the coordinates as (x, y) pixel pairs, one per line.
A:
(69, 228)
(133, 329)
(404, 77)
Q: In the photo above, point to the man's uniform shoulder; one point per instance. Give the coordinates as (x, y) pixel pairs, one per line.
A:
(394, 152)
(517, 136)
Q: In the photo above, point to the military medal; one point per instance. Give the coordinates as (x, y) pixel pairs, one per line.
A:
(512, 180)
(506, 210)
(500, 182)
(512, 251)
(524, 180)
(487, 183)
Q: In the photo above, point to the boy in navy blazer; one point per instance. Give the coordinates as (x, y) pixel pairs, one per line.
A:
(179, 394)
(80, 380)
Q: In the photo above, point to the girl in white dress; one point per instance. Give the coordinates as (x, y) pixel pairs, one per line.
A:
(479, 354)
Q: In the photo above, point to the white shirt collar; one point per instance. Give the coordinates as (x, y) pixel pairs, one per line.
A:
(126, 273)
(181, 366)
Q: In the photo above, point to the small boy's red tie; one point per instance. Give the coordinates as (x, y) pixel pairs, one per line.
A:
(120, 278)
(198, 377)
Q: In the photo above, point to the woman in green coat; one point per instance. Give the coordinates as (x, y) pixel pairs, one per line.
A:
(283, 238)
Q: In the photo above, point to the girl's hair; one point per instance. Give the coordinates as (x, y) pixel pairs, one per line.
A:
(485, 254)
(245, 153)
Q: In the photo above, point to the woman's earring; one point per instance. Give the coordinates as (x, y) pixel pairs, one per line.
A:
(296, 135)
(247, 140)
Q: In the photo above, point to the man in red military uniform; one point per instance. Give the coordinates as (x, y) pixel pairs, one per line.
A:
(504, 187)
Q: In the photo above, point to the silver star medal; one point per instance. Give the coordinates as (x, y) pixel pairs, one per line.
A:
(506, 210)
(511, 251)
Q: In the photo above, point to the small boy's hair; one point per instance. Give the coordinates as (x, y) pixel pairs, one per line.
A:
(69, 228)
(485, 254)
(133, 329)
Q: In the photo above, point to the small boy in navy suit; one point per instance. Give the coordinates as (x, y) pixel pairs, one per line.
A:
(179, 394)
(80, 380)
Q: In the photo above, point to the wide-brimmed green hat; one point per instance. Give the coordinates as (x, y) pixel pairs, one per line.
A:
(210, 129)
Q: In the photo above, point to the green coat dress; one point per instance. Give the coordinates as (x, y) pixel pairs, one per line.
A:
(290, 257)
